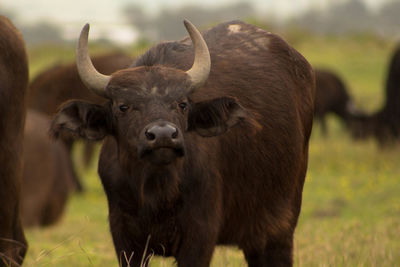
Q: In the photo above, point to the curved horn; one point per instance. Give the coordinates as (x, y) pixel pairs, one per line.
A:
(93, 80)
(202, 62)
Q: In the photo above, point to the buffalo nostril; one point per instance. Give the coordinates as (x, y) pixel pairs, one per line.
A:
(175, 134)
(150, 136)
(161, 132)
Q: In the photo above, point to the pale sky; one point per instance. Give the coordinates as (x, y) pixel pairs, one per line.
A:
(107, 11)
(104, 15)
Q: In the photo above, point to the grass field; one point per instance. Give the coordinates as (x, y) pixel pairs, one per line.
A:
(351, 203)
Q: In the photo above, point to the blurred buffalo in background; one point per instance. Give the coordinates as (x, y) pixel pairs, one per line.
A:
(332, 97)
(60, 83)
(47, 177)
(384, 124)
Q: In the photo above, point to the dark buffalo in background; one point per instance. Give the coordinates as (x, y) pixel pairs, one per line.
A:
(47, 178)
(60, 83)
(194, 157)
(13, 85)
(384, 124)
(332, 97)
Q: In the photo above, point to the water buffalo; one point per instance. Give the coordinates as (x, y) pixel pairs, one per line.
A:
(60, 83)
(13, 85)
(47, 178)
(331, 96)
(384, 124)
(201, 148)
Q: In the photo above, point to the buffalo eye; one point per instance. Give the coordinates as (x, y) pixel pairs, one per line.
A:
(182, 105)
(123, 108)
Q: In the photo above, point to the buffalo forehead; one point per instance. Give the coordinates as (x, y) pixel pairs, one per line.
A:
(143, 94)
(147, 84)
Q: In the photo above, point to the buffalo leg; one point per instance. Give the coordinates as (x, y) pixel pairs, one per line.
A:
(88, 151)
(324, 127)
(254, 259)
(131, 255)
(197, 245)
(195, 253)
(276, 253)
(68, 144)
(279, 253)
(132, 251)
(134, 258)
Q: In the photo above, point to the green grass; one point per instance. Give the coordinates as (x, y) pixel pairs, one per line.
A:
(351, 203)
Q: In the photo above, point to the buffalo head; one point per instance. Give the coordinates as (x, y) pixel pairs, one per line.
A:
(149, 110)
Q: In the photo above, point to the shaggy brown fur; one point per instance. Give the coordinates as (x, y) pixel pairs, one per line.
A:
(232, 172)
(13, 84)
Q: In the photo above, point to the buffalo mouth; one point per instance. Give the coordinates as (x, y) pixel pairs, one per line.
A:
(162, 155)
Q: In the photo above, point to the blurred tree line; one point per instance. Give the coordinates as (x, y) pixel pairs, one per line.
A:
(38, 33)
(351, 17)
(167, 24)
(338, 18)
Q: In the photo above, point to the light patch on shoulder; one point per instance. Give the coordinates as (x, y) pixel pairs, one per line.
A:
(143, 87)
(154, 90)
(234, 28)
(263, 42)
(263, 31)
(258, 44)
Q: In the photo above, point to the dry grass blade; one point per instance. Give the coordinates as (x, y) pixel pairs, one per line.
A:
(45, 253)
(87, 255)
(144, 258)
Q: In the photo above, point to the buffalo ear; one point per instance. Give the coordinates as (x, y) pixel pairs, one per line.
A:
(214, 117)
(81, 119)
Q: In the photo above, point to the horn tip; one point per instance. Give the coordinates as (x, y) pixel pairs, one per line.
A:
(84, 34)
(187, 23)
(86, 27)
